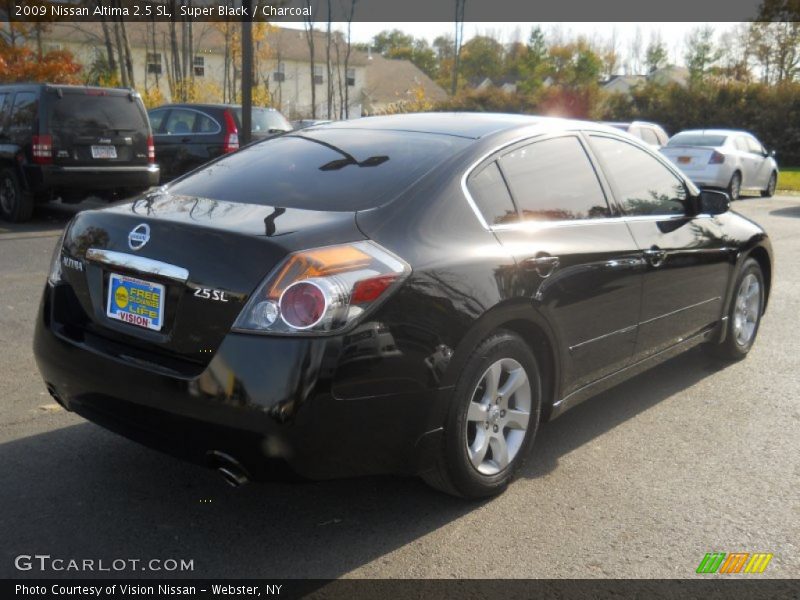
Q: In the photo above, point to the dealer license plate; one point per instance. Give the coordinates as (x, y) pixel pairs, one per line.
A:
(104, 152)
(135, 301)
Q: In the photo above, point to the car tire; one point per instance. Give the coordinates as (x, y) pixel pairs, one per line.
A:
(488, 433)
(735, 186)
(773, 183)
(15, 205)
(744, 314)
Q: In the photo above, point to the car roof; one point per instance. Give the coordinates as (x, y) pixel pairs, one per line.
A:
(714, 132)
(209, 105)
(460, 124)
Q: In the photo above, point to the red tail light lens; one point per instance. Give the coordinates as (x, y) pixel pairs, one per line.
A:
(151, 150)
(302, 304)
(42, 149)
(323, 289)
(231, 142)
(716, 158)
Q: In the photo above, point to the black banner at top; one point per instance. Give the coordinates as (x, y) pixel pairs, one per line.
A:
(406, 10)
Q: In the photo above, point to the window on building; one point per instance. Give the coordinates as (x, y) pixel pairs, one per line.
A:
(199, 66)
(280, 73)
(351, 77)
(317, 74)
(154, 63)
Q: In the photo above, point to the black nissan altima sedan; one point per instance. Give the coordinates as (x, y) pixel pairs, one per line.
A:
(407, 294)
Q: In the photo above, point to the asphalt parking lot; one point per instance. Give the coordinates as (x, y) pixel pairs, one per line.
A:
(641, 481)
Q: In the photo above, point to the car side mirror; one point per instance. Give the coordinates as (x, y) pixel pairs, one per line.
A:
(772, 153)
(713, 202)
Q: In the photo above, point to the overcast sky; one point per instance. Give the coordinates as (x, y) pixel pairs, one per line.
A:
(673, 34)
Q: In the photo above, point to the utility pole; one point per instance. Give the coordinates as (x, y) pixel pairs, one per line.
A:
(247, 72)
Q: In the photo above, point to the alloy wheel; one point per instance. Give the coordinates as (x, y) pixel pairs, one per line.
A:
(498, 416)
(7, 195)
(747, 309)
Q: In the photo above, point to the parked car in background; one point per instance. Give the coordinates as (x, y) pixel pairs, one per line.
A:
(651, 134)
(70, 142)
(724, 159)
(303, 123)
(409, 294)
(189, 135)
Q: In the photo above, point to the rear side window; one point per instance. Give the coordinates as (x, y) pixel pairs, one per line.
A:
(95, 113)
(181, 121)
(489, 190)
(649, 136)
(23, 114)
(327, 169)
(643, 185)
(662, 136)
(553, 179)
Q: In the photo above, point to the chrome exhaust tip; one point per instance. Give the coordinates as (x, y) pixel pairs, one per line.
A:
(231, 469)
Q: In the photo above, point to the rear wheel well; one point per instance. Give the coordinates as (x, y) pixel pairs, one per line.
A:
(539, 343)
(761, 256)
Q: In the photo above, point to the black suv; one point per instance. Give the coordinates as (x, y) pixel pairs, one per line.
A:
(189, 135)
(69, 142)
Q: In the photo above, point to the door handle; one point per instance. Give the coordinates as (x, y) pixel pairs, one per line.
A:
(543, 264)
(655, 256)
(186, 140)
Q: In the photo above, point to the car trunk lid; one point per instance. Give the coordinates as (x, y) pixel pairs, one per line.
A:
(689, 158)
(199, 259)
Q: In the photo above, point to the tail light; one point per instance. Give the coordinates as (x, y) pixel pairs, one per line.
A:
(717, 158)
(42, 149)
(151, 150)
(323, 290)
(54, 276)
(231, 142)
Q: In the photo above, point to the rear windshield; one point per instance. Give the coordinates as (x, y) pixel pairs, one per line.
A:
(85, 113)
(697, 139)
(327, 169)
(264, 120)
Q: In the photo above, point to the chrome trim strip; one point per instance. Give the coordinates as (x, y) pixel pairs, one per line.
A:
(569, 223)
(139, 264)
(106, 168)
(675, 312)
(604, 336)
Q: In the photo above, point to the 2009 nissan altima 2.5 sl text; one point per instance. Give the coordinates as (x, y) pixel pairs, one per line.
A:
(408, 294)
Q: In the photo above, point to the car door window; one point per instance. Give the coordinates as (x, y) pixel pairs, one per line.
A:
(157, 120)
(180, 121)
(554, 179)
(643, 184)
(23, 113)
(490, 193)
(3, 110)
(662, 136)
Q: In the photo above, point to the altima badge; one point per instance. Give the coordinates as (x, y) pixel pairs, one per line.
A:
(139, 236)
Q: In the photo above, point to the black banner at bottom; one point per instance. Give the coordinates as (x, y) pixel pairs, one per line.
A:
(383, 589)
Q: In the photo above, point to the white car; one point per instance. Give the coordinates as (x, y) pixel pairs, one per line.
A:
(724, 159)
(651, 134)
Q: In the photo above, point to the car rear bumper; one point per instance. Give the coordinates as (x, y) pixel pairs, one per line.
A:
(265, 401)
(94, 178)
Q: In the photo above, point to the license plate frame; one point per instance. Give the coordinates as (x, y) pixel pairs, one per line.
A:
(104, 152)
(140, 309)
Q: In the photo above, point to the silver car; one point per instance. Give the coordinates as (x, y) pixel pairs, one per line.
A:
(724, 159)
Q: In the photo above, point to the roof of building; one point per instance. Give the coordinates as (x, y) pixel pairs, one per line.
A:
(393, 80)
(285, 43)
